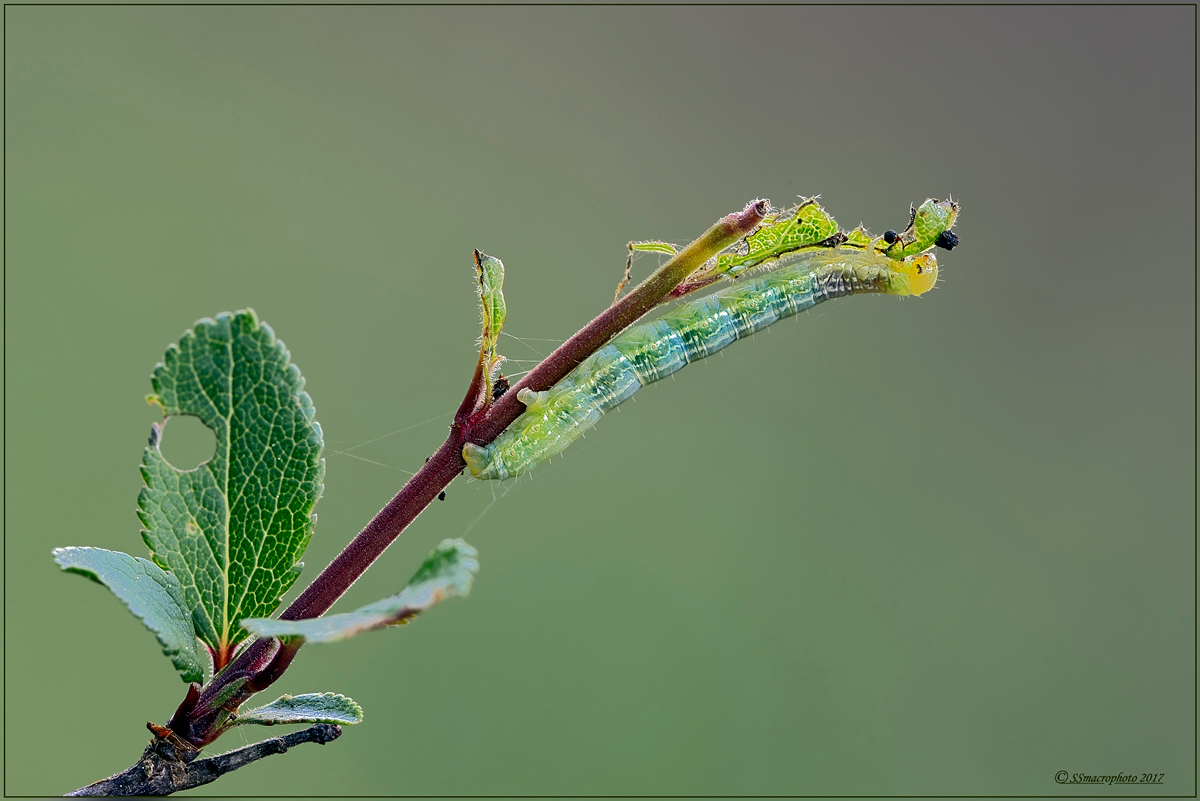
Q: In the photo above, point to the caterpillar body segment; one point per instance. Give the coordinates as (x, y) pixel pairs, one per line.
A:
(916, 275)
(653, 350)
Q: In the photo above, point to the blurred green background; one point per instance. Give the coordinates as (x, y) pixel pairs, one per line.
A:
(935, 546)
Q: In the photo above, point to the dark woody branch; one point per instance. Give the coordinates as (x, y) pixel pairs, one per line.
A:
(163, 768)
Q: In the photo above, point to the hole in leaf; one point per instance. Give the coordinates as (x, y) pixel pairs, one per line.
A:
(187, 442)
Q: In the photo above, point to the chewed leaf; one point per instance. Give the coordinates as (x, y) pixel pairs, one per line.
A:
(655, 247)
(153, 595)
(858, 238)
(489, 273)
(781, 237)
(446, 572)
(805, 226)
(927, 223)
(233, 529)
(309, 708)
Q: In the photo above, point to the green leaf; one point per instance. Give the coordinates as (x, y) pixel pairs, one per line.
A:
(859, 238)
(654, 247)
(928, 221)
(310, 708)
(233, 529)
(448, 571)
(153, 595)
(489, 273)
(805, 226)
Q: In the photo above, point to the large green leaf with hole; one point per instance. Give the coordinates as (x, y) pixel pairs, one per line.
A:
(448, 571)
(233, 529)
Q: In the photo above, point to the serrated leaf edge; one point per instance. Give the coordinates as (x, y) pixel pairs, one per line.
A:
(355, 712)
(177, 656)
(295, 382)
(421, 593)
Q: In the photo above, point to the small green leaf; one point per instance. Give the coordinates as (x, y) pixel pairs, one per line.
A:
(858, 238)
(654, 247)
(153, 595)
(489, 271)
(805, 226)
(448, 571)
(927, 223)
(233, 529)
(309, 708)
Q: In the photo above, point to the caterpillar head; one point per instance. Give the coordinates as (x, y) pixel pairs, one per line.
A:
(914, 275)
(929, 226)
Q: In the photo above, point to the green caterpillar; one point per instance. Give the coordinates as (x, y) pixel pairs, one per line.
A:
(821, 262)
(651, 351)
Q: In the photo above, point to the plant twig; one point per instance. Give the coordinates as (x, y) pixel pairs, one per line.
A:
(447, 463)
(160, 771)
(619, 316)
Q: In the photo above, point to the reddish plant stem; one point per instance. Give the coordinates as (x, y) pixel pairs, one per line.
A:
(447, 462)
(480, 427)
(616, 318)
